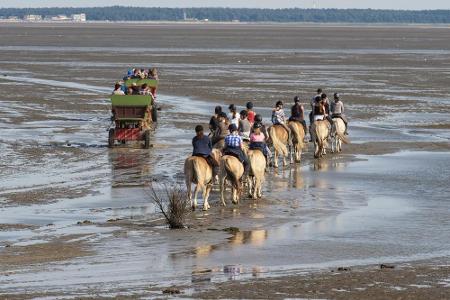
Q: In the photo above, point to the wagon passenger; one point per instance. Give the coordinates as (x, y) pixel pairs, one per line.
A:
(118, 89)
(144, 90)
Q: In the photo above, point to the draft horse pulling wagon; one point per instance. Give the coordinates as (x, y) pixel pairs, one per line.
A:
(133, 115)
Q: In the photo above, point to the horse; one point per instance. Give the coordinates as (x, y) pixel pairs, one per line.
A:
(321, 132)
(337, 135)
(298, 135)
(280, 138)
(198, 171)
(257, 173)
(231, 170)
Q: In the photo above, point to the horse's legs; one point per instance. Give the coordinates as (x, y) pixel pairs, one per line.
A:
(316, 149)
(206, 190)
(189, 192)
(196, 190)
(222, 189)
(275, 158)
(235, 195)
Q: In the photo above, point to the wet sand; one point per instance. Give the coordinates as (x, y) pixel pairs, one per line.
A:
(56, 170)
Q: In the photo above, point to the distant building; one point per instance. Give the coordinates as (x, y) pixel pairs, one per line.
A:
(60, 18)
(13, 19)
(32, 18)
(78, 17)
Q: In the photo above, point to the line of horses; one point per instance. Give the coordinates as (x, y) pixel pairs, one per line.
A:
(198, 172)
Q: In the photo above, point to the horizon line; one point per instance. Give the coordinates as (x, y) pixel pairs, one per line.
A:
(226, 7)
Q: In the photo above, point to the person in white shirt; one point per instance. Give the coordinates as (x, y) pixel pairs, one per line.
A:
(234, 116)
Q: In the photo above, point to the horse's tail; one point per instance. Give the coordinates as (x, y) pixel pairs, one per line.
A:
(339, 133)
(235, 182)
(189, 171)
(318, 136)
(295, 129)
(277, 144)
(343, 138)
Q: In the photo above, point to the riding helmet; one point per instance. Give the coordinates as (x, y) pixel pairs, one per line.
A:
(257, 125)
(232, 127)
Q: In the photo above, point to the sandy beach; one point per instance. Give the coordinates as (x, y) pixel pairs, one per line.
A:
(76, 218)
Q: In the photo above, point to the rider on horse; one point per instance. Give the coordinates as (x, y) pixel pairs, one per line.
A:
(233, 147)
(337, 111)
(279, 118)
(258, 140)
(222, 129)
(251, 114)
(203, 147)
(244, 126)
(297, 113)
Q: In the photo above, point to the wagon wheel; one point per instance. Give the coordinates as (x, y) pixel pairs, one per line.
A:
(111, 137)
(154, 114)
(147, 139)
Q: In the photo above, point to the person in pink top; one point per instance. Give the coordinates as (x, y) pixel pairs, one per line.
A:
(258, 141)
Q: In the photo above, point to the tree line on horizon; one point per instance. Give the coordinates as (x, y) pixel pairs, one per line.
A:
(123, 13)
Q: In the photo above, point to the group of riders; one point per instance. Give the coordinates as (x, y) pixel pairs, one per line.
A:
(230, 131)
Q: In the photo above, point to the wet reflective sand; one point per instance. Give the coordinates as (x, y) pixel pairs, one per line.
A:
(348, 209)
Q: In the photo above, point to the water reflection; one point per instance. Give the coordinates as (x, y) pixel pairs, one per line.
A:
(130, 167)
(253, 237)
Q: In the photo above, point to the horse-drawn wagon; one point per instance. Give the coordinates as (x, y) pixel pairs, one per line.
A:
(133, 115)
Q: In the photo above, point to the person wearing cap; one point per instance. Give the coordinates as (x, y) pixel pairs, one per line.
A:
(234, 115)
(222, 128)
(251, 114)
(118, 89)
(298, 113)
(279, 118)
(337, 110)
(233, 147)
(244, 126)
(202, 147)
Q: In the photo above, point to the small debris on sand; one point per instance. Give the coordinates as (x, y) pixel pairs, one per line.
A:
(171, 291)
(386, 266)
(232, 230)
(85, 222)
(343, 269)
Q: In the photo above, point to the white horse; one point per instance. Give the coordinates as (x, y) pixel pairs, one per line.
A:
(337, 135)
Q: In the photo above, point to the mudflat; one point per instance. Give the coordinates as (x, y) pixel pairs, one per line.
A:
(79, 214)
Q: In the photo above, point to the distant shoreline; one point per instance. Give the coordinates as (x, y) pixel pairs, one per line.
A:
(206, 23)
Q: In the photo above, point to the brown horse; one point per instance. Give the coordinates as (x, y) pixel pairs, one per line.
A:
(321, 132)
(298, 135)
(199, 172)
(279, 136)
(257, 173)
(231, 170)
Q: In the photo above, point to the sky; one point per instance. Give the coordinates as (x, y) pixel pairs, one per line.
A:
(375, 4)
